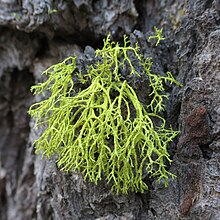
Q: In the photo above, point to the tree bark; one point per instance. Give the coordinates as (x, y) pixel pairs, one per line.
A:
(36, 34)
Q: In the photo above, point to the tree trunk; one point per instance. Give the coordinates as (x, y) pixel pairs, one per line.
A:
(36, 34)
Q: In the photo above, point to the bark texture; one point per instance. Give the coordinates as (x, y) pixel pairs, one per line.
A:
(36, 34)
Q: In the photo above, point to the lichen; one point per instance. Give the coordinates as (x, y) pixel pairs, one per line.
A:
(104, 131)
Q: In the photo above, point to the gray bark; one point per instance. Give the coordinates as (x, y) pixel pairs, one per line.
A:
(36, 34)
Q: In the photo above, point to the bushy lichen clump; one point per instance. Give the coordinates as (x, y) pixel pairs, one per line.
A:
(104, 131)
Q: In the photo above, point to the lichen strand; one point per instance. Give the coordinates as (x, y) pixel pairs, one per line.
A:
(104, 131)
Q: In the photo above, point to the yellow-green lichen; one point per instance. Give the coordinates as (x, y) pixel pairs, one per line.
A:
(104, 131)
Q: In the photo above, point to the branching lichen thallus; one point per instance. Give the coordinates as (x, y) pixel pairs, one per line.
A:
(88, 129)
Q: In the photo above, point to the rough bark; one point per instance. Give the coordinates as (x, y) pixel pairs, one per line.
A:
(37, 34)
